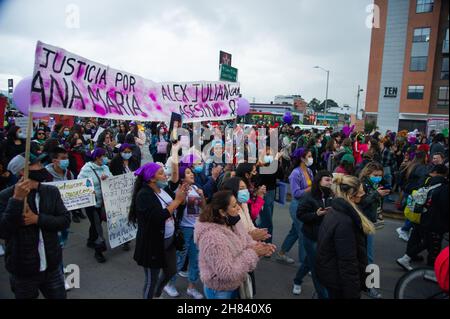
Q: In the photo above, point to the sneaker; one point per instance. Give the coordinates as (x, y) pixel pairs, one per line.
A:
(99, 257)
(194, 293)
(404, 262)
(75, 218)
(374, 293)
(402, 234)
(171, 290)
(183, 274)
(285, 259)
(297, 290)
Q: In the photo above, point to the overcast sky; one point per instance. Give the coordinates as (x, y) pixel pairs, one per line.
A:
(274, 43)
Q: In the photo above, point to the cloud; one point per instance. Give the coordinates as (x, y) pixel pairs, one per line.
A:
(275, 44)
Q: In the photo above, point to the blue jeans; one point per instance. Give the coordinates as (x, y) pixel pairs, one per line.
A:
(295, 233)
(190, 249)
(370, 248)
(219, 294)
(266, 215)
(309, 265)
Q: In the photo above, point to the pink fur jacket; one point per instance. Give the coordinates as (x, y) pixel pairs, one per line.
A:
(225, 256)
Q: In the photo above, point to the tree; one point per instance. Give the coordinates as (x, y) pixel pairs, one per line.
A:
(330, 104)
(314, 105)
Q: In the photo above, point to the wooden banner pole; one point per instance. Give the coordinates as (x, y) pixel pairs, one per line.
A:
(27, 153)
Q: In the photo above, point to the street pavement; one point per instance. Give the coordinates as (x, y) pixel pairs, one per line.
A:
(121, 278)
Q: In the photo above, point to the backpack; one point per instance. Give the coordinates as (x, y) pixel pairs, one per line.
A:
(418, 202)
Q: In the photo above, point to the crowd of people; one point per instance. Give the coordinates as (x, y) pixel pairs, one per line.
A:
(210, 218)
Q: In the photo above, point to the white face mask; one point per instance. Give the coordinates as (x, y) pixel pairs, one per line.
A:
(309, 162)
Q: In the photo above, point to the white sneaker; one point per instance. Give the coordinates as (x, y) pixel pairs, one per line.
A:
(183, 274)
(404, 262)
(285, 259)
(171, 290)
(297, 290)
(194, 293)
(374, 293)
(402, 234)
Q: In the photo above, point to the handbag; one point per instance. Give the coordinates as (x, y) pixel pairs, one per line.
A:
(246, 288)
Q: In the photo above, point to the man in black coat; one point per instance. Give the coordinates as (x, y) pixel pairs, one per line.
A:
(33, 254)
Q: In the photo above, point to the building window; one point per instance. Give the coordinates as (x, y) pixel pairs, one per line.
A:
(444, 69)
(443, 96)
(424, 6)
(445, 43)
(415, 92)
(419, 49)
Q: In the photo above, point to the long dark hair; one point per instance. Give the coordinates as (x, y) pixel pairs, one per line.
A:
(245, 168)
(132, 217)
(419, 159)
(232, 184)
(211, 213)
(12, 134)
(316, 190)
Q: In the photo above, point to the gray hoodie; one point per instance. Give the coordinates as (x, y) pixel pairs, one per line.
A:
(56, 177)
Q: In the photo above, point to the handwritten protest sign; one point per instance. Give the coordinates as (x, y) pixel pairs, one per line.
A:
(65, 83)
(22, 122)
(117, 192)
(77, 193)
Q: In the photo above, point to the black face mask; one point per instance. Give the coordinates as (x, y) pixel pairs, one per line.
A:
(232, 220)
(40, 176)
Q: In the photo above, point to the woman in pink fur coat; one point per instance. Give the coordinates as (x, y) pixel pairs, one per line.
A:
(226, 251)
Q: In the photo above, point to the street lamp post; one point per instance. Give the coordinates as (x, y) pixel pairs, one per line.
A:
(357, 101)
(326, 93)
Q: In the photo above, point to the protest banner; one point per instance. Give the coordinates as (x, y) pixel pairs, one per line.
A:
(77, 193)
(100, 130)
(117, 192)
(22, 122)
(65, 83)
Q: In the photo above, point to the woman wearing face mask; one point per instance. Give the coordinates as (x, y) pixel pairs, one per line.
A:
(300, 181)
(14, 143)
(186, 218)
(97, 171)
(371, 203)
(63, 135)
(123, 162)
(226, 252)
(312, 208)
(341, 258)
(159, 144)
(152, 207)
(248, 173)
(105, 142)
(123, 130)
(77, 156)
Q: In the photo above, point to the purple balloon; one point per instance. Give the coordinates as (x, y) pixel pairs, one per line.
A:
(243, 106)
(22, 95)
(287, 118)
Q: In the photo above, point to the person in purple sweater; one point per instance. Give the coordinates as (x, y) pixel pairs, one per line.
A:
(300, 181)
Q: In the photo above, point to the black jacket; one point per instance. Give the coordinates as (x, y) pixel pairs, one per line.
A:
(370, 201)
(21, 255)
(117, 168)
(341, 259)
(151, 220)
(306, 212)
(436, 219)
(270, 180)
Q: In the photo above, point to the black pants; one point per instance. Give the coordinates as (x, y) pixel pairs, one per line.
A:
(49, 283)
(434, 246)
(95, 229)
(160, 158)
(154, 283)
(416, 242)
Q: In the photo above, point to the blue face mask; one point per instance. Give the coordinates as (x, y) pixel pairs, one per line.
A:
(268, 159)
(21, 135)
(198, 169)
(66, 133)
(64, 164)
(105, 160)
(162, 184)
(375, 179)
(126, 156)
(243, 196)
